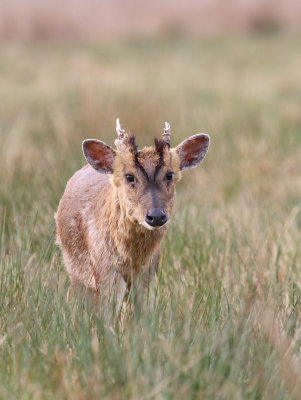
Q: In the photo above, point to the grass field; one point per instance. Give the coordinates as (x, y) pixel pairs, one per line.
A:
(223, 320)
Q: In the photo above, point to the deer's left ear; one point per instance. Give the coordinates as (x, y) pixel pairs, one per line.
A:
(193, 150)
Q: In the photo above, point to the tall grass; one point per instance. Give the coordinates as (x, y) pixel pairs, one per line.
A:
(222, 319)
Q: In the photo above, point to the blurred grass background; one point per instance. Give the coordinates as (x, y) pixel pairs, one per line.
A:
(223, 321)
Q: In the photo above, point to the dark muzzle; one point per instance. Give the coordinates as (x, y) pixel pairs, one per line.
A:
(156, 217)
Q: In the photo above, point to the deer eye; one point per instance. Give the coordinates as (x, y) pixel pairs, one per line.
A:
(130, 178)
(169, 177)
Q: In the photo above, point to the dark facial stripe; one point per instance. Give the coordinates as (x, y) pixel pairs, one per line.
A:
(160, 165)
(160, 146)
(138, 165)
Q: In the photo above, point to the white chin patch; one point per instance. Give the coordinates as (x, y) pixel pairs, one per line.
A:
(151, 228)
(147, 226)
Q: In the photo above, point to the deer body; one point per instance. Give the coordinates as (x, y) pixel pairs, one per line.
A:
(115, 211)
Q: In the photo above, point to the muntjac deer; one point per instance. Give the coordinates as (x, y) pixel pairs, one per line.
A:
(115, 210)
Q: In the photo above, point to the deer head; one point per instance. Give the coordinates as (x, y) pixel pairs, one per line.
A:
(145, 179)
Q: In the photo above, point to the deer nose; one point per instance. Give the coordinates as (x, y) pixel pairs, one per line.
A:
(156, 217)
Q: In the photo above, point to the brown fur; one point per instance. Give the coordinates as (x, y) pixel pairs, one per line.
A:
(101, 226)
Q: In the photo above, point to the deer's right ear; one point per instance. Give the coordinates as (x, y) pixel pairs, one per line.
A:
(99, 155)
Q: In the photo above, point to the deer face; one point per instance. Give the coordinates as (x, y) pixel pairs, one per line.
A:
(145, 179)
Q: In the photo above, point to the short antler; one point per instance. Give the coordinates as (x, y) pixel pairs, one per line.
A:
(121, 135)
(166, 134)
(120, 132)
